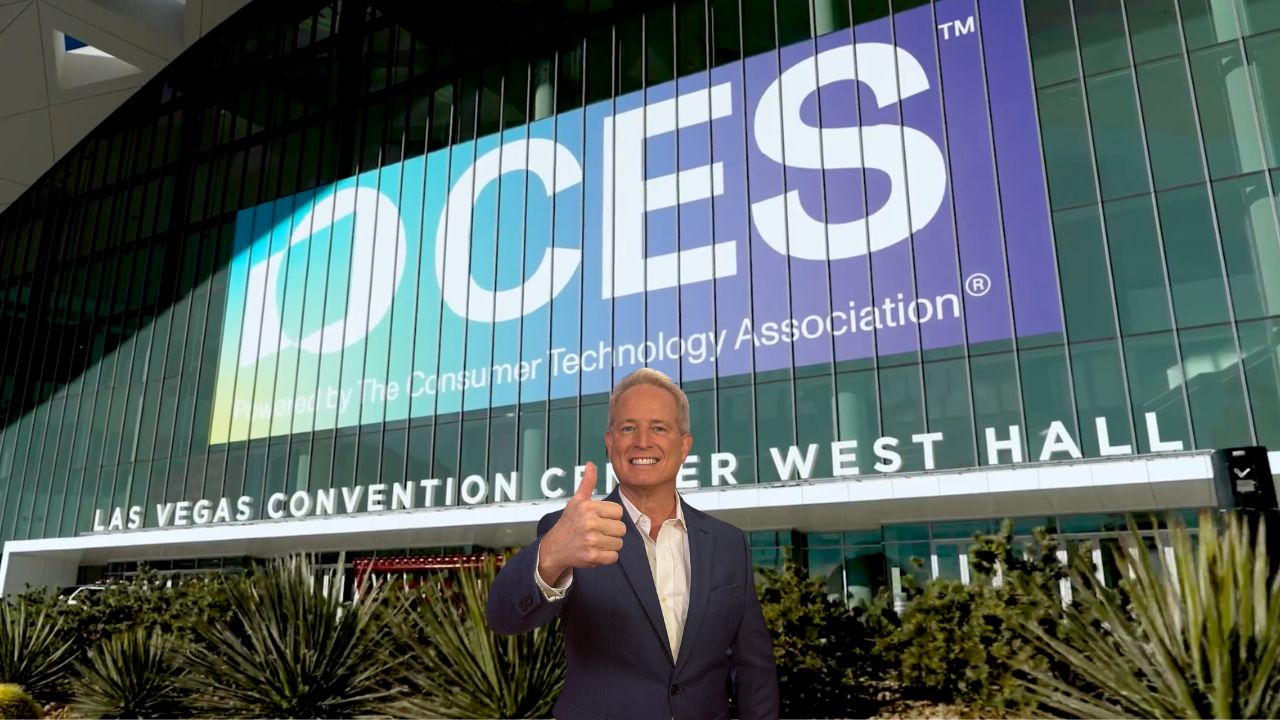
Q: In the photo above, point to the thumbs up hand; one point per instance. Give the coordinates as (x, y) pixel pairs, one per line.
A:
(588, 534)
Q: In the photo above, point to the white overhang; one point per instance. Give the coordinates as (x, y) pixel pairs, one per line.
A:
(1148, 482)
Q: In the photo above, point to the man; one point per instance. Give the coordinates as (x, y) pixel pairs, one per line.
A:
(658, 600)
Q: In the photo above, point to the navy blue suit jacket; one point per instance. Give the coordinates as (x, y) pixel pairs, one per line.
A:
(619, 658)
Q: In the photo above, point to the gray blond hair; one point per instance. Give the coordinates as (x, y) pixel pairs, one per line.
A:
(656, 378)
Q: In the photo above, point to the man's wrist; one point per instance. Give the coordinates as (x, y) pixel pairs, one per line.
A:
(557, 587)
(551, 572)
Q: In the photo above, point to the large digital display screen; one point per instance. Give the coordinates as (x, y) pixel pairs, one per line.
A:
(875, 191)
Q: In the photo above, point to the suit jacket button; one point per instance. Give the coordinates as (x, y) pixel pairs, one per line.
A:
(676, 689)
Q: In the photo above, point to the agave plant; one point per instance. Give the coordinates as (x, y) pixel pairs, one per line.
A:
(1195, 636)
(130, 674)
(288, 649)
(33, 652)
(456, 667)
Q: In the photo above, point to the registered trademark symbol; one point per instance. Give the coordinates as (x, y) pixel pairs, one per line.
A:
(977, 284)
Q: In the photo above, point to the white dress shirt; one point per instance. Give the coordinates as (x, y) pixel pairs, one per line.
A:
(668, 563)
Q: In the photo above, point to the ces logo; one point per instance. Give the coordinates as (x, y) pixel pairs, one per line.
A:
(909, 158)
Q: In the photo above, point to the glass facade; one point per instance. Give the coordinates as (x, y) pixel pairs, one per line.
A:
(245, 283)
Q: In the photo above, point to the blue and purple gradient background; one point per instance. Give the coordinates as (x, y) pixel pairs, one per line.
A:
(994, 220)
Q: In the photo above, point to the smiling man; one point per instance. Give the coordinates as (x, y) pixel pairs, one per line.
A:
(658, 601)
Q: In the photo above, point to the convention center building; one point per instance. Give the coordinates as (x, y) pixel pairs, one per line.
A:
(356, 277)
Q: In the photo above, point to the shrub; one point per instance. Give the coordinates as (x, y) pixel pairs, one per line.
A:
(458, 668)
(823, 647)
(131, 674)
(957, 646)
(287, 649)
(965, 643)
(16, 704)
(33, 652)
(150, 599)
(1198, 636)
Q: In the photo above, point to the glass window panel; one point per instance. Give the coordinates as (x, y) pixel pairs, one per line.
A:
(344, 460)
(234, 480)
(148, 414)
(758, 29)
(1172, 139)
(1247, 222)
(393, 459)
(318, 465)
(1155, 386)
(599, 71)
(815, 419)
(629, 55)
(793, 21)
(71, 504)
(659, 38)
(532, 450)
(370, 455)
(864, 572)
(569, 86)
(1101, 402)
(1117, 134)
(1100, 27)
(562, 447)
(947, 407)
(1053, 47)
(1142, 295)
(1208, 22)
(691, 36)
(826, 564)
(1259, 16)
(702, 424)
(726, 42)
(1046, 399)
(288, 467)
(775, 418)
(1226, 111)
(515, 95)
(1211, 367)
(255, 469)
(902, 413)
(947, 558)
(1260, 348)
(215, 471)
(475, 444)
(1082, 266)
(594, 420)
(1066, 146)
(1264, 71)
(911, 560)
(826, 539)
(736, 431)
(857, 417)
(114, 426)
(1191, 252)
(996, 403)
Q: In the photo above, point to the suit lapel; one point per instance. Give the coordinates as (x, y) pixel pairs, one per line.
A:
(634, 562)
(701, 550)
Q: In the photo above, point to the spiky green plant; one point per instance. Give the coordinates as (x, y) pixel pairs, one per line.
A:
(33, 653)
(456, 667)
(288, 649)
(1198, 636)
(134, 673)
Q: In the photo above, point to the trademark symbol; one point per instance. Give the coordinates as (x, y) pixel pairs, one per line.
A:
(956, 28)
(977, 284)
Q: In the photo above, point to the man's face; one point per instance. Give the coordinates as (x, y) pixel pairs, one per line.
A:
(644, 440)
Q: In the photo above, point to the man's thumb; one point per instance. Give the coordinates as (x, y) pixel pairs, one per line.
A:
(588, 484)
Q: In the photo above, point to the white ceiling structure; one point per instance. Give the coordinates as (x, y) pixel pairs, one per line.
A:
(52, 96)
